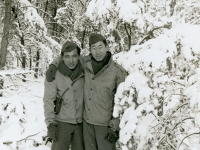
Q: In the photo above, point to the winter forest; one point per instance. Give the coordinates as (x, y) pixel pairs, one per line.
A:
(156, 41)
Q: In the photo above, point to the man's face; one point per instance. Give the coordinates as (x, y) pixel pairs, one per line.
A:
(98, 50)
(71, 58)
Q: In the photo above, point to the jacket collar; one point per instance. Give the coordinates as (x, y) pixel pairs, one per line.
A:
(88, 64)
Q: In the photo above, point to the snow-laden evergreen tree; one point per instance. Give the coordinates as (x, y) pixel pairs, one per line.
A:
(159, 101)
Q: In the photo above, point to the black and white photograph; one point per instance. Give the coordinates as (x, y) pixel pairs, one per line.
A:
(99, 74)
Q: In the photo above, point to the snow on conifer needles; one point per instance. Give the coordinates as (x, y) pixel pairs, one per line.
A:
(159, 101)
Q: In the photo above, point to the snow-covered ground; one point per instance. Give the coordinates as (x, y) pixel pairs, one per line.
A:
(22, 123)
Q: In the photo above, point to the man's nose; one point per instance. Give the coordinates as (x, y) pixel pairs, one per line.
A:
(71, 60)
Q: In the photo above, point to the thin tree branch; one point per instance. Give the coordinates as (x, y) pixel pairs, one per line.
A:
(178, 83)
(126, 29)
(39, 10)
(185, 138)
(181, 122)
(81, 2)
(151, 32)
(177, 108)
(170, 143)
(27, 137)
(45, 9)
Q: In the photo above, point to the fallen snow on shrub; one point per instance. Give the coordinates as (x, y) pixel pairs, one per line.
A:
(159, 101)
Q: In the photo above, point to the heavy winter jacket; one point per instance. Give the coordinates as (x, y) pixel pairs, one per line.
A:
(99, 91)
(72, 106)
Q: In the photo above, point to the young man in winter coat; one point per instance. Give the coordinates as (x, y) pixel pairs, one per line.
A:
(65, 128)
(102, 77)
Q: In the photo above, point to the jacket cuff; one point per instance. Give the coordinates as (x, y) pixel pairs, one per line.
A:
(52, 123)
(114, 123)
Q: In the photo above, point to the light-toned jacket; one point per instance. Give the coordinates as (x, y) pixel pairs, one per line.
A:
(99, 91)
(72, 106)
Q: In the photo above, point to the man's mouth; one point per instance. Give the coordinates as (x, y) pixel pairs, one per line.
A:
(98, 56)
(71, 65)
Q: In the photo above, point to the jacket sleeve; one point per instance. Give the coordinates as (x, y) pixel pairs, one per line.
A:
(120, 77)
(50, 93)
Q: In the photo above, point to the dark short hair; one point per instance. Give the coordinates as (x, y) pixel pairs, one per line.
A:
(78, 51)
(104, 42)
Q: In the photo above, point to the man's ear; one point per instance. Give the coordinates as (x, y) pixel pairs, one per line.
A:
(107, 48)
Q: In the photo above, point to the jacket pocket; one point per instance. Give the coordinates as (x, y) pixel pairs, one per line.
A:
(65, 102)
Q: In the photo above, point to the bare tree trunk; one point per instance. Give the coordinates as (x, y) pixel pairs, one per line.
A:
(4, 41)
(53, 9)
(172, 5)
(129, 36)
(23, 55)
(30, 59)
(45, 8)
(83, 38)
(37, 64)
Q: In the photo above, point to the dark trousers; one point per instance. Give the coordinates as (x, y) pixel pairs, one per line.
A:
(68, 134)
(94, 137)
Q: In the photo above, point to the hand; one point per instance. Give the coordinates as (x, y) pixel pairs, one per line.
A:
(112, 135)
(50, 73)
(52, 132)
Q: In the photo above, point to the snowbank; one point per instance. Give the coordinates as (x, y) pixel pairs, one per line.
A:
(22, 119)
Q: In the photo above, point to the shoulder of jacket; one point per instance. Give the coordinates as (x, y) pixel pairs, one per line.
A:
(58, 75)
(119, 67)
